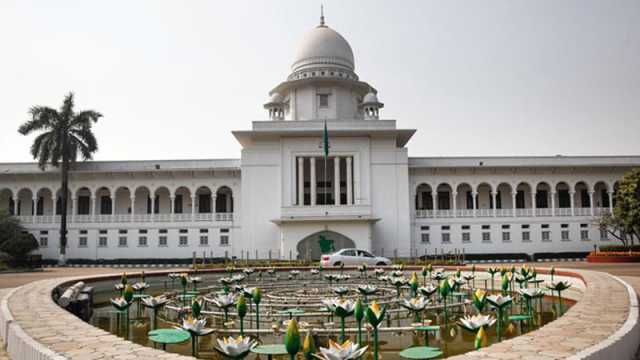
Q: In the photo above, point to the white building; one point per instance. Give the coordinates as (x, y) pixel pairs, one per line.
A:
(282, 193)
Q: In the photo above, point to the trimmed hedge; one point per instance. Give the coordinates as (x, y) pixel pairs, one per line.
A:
(619, 248)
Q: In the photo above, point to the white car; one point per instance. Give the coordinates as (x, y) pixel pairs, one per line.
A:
(353, 257)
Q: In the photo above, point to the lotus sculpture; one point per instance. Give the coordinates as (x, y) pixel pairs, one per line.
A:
(358, 313)
(375, 314)
(292, 339)
(477, 325)
(415, 305)
(340, 290)
(345, 351)
(308, 346)
(341, 308)
(367, 290)
(499, 303)
(224, 302)
(559, 287)
(479, 300)
(428, 290)
(413, 284)
(195, 327)
(492, 272)
(235, 348)
(398, 282)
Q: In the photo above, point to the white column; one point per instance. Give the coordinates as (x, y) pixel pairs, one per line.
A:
(494, 195)
(336, 180)
(312, 180)
(300, 181)
(15, 206)
(513, 201)
(172, 205)
(419, 200)
(113, 204)
(434, 198)
(553, 203)
(214, 197)
(454, 203)
(533, 203)
(349, 181)
(193, 207)
(474, 196)
(153, 204)
(93, 207)
(132, 201)
(571, 196)
(34, 210)
(610, 193)
(591, 202)
(74, 206)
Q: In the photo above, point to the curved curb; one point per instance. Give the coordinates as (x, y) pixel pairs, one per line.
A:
(624, 343)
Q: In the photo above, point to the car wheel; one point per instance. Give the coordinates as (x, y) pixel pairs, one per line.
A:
(337, 263)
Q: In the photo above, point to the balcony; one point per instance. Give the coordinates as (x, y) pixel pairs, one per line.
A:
(485, 213)
(128, 218)
(326, 210)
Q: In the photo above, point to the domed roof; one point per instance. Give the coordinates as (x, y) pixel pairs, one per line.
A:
(370, 98)
(321, 47)
(276, 98)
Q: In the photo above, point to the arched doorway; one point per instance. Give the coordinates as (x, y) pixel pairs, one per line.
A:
(313, 245)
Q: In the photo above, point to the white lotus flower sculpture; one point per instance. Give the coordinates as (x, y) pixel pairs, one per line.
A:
(477, 325)
(154, 301)
(314, 271)
(224, 302)
(120, 303)
(415, 305)
(499, 302)
(140, 286)
(345, 351)
(475, 322)
(428, 290)
(196, 326)
(235, 348)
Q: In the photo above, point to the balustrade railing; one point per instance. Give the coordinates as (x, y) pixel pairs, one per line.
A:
(126, 218)
(468, 213)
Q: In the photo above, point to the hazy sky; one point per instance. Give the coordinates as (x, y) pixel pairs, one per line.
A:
(173, 78)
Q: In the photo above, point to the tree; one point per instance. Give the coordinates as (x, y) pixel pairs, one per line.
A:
(15, 241)
(624, 223)
(627, 208)
(19, 247)
(10, 227)
(62, 136)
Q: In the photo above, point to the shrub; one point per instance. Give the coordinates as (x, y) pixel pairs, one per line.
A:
(619, 248)
(19, 247)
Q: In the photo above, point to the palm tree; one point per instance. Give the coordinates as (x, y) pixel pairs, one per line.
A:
(62, 136)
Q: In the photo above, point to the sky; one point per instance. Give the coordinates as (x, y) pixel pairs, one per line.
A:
(475, 78)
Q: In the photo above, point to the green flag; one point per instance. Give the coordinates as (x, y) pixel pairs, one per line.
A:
(325, 140)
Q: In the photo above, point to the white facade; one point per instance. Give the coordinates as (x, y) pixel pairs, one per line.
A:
(282, 193)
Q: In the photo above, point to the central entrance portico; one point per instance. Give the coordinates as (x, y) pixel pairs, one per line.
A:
(300, 236)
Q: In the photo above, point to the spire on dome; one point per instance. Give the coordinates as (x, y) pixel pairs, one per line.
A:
(322, 15)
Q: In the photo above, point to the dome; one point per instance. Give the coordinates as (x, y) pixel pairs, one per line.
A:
(323, 47)
(370, 98)
(276, 98)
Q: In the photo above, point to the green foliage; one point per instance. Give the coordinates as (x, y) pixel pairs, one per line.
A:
(10, 227)
(627, 207)
(19, 247)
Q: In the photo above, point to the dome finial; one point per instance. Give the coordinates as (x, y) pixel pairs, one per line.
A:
(322, 15)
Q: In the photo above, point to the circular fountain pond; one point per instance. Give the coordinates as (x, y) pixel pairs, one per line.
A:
(310, 296)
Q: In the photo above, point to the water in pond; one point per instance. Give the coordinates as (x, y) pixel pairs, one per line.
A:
(306, 292)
